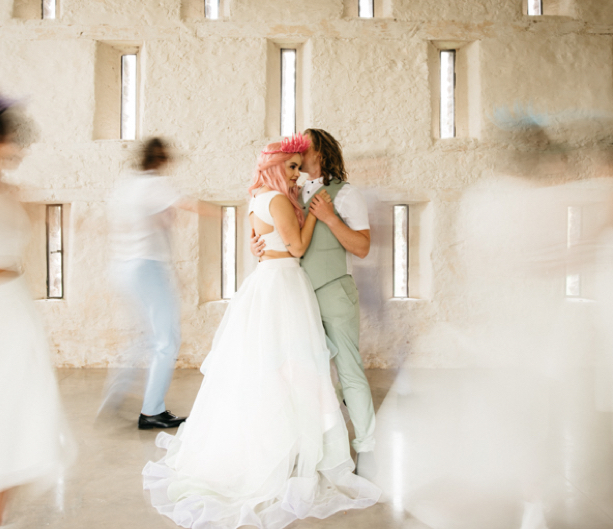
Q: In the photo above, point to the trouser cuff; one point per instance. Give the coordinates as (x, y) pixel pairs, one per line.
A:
(363, 446)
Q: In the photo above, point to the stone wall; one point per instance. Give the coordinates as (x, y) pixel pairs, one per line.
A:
(205, 85)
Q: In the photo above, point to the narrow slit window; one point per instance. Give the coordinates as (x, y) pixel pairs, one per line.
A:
(228, 252)
(573, 237)
(128, 97)
(401, 251)
(447, 124)
(288, 92)
(366, 8)
(55, 252)
(49, 9)
(211, 9)
(535, 7)
(573, 285)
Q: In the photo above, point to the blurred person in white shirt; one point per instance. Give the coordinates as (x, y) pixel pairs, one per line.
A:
(142, 212)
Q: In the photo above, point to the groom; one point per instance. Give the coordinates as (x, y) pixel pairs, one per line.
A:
(344, 231)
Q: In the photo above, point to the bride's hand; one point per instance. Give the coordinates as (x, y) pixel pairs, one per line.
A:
(257, 245)
(322, 208)
(324, 194)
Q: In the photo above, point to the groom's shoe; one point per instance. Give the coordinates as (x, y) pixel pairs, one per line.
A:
(161, 420)
(366, 466)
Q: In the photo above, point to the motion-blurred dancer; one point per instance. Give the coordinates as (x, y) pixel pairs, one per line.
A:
(33, 438)
(141, 220)
(505, 441)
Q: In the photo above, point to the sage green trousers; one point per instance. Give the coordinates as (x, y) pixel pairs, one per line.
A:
(340, 312)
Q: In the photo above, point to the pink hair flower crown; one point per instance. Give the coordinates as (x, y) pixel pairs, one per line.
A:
(296, 144)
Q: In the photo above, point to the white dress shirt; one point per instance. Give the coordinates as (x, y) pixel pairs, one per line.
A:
(141, 217)
(350, 205)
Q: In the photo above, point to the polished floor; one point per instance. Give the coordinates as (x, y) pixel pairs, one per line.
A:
(103, 489)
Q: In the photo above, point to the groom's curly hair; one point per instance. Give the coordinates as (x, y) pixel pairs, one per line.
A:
(330, 153)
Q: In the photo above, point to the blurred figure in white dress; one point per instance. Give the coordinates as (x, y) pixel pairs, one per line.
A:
(34, 439)
(503, 438)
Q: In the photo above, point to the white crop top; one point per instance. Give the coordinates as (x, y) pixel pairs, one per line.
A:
(260, 206)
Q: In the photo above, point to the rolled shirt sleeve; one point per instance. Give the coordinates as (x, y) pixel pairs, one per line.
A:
(352, 208)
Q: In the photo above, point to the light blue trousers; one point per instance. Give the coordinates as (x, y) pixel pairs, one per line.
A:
(148, 285)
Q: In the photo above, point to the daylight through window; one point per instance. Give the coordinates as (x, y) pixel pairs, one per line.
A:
(228, 252)
(573, 236)
(49, 9)
(128, 97)
(288, 92)
(535, 7)
(447, 111)
(401, 251)
(211, 9)
(366, 8)
(55, 252)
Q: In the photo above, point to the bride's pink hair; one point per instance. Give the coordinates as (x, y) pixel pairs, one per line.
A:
(270, 172)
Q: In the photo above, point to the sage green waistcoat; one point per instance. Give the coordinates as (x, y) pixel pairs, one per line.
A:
(325, 259)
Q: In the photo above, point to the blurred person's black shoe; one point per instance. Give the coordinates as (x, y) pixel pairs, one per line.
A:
(161, 420)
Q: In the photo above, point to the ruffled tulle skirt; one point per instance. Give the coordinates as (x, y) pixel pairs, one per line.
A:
(265, 443)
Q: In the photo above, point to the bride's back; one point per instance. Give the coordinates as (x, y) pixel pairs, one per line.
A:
(263, 223)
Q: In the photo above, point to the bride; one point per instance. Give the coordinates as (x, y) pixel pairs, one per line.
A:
(265, 443)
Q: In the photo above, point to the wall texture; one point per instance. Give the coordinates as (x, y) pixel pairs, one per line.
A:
(203, 84)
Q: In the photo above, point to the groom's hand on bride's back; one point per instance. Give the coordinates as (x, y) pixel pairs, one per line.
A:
(256, 244)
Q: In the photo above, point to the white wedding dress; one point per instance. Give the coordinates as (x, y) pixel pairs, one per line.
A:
(265, 443)
(35, 444)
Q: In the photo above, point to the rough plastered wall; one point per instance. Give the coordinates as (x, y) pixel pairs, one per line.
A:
(203, 84)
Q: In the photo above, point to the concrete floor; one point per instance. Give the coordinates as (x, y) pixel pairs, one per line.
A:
(104, 489)
(463, 449)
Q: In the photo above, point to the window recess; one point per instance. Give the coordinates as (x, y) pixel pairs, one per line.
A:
(455, 85)
(55, 252)
(117, 92)
(228, 251)
(286, 106)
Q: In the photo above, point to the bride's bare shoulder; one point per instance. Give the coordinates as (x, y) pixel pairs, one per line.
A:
(280, 203)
